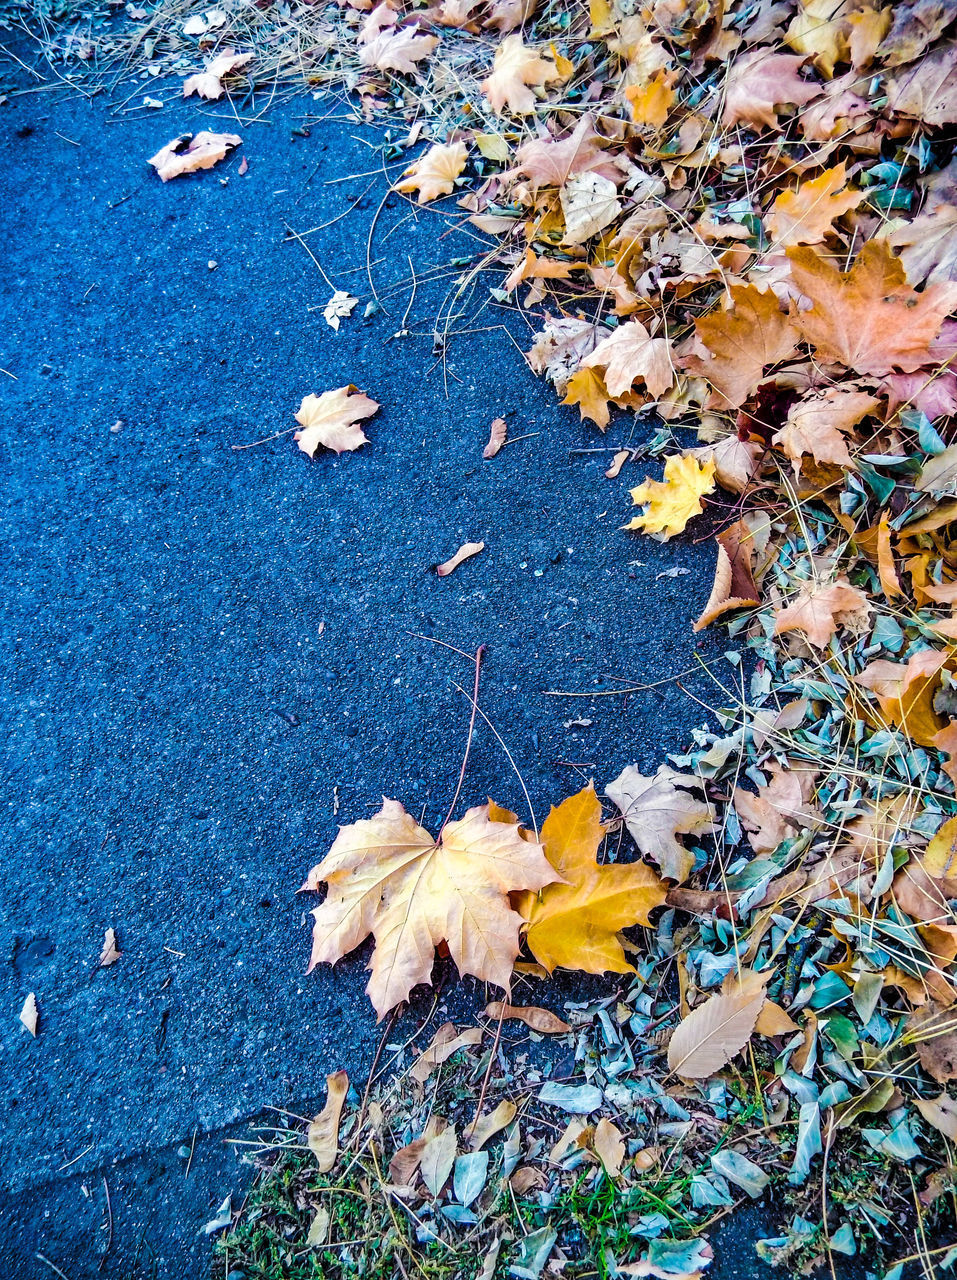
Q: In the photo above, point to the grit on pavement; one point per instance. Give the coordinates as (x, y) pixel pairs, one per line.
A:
(212, 656)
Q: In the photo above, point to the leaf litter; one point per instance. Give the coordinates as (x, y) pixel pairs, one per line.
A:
(737, 219)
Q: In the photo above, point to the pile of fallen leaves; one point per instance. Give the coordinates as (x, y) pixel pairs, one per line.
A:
(740, 219)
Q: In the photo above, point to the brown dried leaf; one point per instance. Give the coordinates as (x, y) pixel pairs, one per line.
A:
(741, 344)
(657, 810)
(541, 1020)
(516, 70)
(331, 420)
(323, 1132)
(498, 433)
(632, 355)
(609, 1146)
(820, 610)
(734, 586)
(932, 1030)
(941, 1112)
(759, 83)
(209, 83)
(817, 424)
(190, 152)
(490, 1124)
(434, 173)
(805, 215)
(445, 1042)
(710, 1036)
(779, 809)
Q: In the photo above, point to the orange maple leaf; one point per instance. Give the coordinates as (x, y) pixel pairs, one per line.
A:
(434, 173)
(805, 215)
(869, 318)
(741, 343)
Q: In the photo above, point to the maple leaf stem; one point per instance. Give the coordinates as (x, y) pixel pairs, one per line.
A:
(468, 742)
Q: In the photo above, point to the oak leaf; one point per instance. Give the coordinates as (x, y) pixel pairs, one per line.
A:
(515, 71)
(434, 174)
(759, 82)
(190, 152)
(657, 810)
(209, 83)
(574, 925)
(805, 215)
(820, 609)
(741, 343)
(817, 425)
(632, 355)
(710, 1036)
(388, 877)
(331, 420)
(734, 586)
(671, 503)
(869, 318)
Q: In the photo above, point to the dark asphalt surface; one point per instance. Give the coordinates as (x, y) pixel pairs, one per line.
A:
(200, 645)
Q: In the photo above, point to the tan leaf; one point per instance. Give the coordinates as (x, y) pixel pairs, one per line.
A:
(398, 50)
(498, 433)
(541, 1020)
(928, 89)
(323, 1132)
(445, 1042)
(209, 83)
(651, 103)
(928, 246)
(30, 1014)
(868, 318)
(589, 204)
(515, 71)
(710, 1036)
(490, 1124)
(617, 462)
(434, 174)
(741, 344)
(774, 1021)
(866, 28)
(560, 348)
(940, 856)
(905, 693)
(805, 215)
(657, 810)
(190, 152)
(734, 586)
(388, 877)
(609, 1146)
(759, 82)
(110, 954)
(932, 1030)
(548, 162)
(941, 1112)
(671, 503)
(437, 1159)
(735, 461)
(887, 571)
(331, 420)
(817, 424)
(632, 355)
(779, 809)
(819, 610)
(465, 552)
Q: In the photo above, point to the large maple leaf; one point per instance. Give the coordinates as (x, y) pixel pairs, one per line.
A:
(805, 215)
(574, 925)
(869, 318)
(741, 343)
(388, 877)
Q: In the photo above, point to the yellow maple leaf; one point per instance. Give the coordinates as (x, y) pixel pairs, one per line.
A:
(676, 500)
(650, 104)
(574, 925)
(388, 877)
(820, 30)
(434, 174)
(587, 389)
(805, 215)
(332, 420)
(515, 71)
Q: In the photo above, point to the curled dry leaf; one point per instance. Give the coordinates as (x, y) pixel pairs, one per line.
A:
(498, 433)
(29, 1014)
(434, 174)
(780, 808)
(110, 954)
(710, 1036)
(331, 420)
(323, 1132)
(734, 586)
(932, 1030)
(819, 611)
(190, 152)
(541, 1020)
(209, 83)
(445, 1042)
(389, 878)
(671, 503)
(575, 924)
(489, 1125)
(465, 552)
(617, 462)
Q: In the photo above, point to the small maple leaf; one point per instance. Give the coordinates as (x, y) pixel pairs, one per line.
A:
(759, 82)
(190, 152)
(741, 343)
(734, 586)
(332, 420)
(656, 810)
(340, 305)
(820, 609)
(816, 426)
(434, 174)
(587, 389)
(805, 215)
(779, 809)
(589, 204)
(574, 925)
(631, 355)
(209, 83)
(869, 318)
(515, 70)
(388, 877)
(651, 103)
(672, 503)
(905, 693)
(399, 50)
(820, 30)
(736, 462)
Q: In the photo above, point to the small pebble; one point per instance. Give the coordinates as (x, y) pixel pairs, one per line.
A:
(117, 426)
(183, 1152)
(212, 264)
